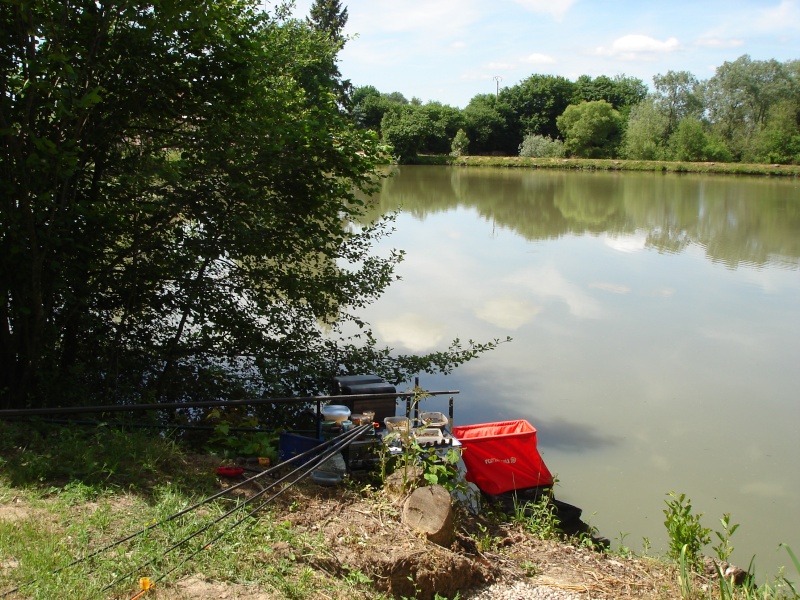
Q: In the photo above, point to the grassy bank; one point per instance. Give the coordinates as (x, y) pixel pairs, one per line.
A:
(109, 497)
(589, 164)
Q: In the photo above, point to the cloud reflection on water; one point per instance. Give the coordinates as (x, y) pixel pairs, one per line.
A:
(507, 312)
(548, 282)
(414, 332)
(626, 243)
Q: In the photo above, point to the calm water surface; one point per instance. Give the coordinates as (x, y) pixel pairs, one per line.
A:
(656, 334)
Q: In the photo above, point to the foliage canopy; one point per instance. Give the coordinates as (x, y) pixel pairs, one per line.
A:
(178, 187)
(591, 129)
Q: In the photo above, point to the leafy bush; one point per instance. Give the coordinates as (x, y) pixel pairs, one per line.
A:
(591, 129)
(539, 146)
(460, 144)
(717, 150)
(686, 535)
(690, 142)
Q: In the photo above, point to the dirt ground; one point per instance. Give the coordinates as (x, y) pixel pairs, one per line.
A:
(364, 532)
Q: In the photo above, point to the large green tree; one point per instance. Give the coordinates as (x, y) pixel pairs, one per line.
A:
(622, 92)
(177, 182)
(330, 17)
(536, 103)
(741, 96)
(406, 128)
(646, 135)
(486, 120)
(445, 122)
(591, 129)
(677, 97)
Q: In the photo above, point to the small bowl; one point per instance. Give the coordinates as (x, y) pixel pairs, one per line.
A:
(434, 419)
(432, 436)
(398, 424)
(335, 412)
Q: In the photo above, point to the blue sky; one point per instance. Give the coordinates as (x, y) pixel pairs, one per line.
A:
(451, 50)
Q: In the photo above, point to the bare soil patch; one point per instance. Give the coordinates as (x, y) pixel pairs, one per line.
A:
(363, 532)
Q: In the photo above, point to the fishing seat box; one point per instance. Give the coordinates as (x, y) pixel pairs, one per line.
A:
(350, 385)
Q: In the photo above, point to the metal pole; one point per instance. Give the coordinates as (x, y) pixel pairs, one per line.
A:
(497, 80)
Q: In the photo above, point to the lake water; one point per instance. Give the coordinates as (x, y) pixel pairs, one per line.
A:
(656, 334)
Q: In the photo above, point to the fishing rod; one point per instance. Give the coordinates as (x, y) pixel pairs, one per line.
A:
(124, 424)
(237, 523)
(298, 457)
(68, 410)
(340, 443)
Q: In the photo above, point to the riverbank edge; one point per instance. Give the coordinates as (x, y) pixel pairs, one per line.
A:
(597, 164)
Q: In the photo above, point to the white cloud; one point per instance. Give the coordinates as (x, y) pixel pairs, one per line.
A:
(538, 59)
(731, 338)
(474, 76)
(555, 8)
(372, 54)
(507, 313)
(434, 19)
(780, 18)
(639, 47)
(499, 66)
(715, 42)
(660, 462)
(771, 281)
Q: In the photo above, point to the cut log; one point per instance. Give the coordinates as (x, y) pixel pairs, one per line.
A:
(429, 510)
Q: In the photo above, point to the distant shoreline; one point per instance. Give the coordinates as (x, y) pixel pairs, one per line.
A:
(590, 164)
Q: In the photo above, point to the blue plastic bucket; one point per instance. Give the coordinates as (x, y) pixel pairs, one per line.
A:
(292, 444)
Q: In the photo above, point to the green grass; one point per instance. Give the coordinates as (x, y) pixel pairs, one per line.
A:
(42, 455)
(589, 164)
(68, 492)
(539, 518)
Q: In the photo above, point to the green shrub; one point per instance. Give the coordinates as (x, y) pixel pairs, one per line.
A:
(539, 146)
(686, 535)
(460, 144)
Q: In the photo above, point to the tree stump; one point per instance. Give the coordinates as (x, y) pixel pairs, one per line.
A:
(429, 510)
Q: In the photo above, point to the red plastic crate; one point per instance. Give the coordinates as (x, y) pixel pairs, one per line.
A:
(502, 456)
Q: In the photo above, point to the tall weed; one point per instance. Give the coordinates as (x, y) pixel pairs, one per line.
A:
(687, 536)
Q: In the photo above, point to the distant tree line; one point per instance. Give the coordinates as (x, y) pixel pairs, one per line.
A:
(749, 111)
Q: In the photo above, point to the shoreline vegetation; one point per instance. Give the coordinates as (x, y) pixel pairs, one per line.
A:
(600, 164)
(67, 495)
